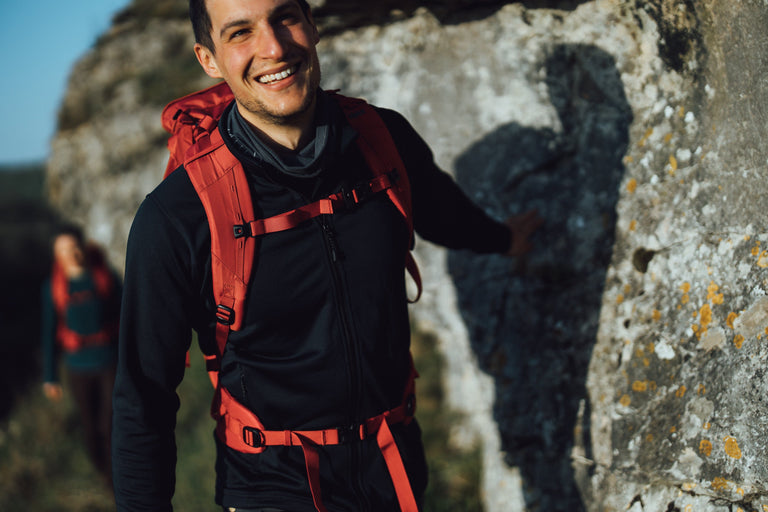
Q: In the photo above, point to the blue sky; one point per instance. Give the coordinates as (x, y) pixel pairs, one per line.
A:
(42, 39)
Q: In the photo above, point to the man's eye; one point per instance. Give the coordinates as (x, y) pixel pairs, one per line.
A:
(289, 19)
(238, 33)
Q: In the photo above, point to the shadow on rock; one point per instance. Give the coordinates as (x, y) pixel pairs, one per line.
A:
(532, 323)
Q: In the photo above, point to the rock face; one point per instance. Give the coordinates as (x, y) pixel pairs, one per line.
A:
(620, 366)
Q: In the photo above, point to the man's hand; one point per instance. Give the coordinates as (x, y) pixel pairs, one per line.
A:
(521, 228)
(53, 391)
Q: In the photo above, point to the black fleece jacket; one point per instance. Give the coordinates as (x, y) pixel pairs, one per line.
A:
(326, 336)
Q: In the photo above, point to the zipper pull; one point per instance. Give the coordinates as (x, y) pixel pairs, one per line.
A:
(330, 235)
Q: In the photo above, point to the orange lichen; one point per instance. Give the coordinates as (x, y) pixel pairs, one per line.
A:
(640, 386)
(619, 299)
(732, 448)
(712, 295)
(685, 287)
(625, 400)
(633, 225)
(738, 341)
(656, 315)
(672, 165)
(632, 185)
(762, 261)
(647, 134)
(681, 391)
(731, 318)
(756, 249)
(705, 447)
(720, 484)
(701, 390)
(667, 138)
(706, 316)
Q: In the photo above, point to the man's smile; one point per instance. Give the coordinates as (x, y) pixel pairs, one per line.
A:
(276, 77)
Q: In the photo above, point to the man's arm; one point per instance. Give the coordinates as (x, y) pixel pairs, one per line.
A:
(51, 387)
(442, 212)
(154, 336)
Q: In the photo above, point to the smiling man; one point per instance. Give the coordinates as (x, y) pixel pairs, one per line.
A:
(314, 380)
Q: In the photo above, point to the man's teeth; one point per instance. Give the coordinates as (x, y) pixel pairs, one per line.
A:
(266, 79)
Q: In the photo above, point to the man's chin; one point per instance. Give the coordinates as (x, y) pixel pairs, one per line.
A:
(290, 111)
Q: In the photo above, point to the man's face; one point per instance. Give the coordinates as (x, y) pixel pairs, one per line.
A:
(68, 252)
(265, 50)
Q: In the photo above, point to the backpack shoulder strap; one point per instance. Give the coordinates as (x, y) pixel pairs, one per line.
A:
(59, 288)
(380, 152)
(220, 182)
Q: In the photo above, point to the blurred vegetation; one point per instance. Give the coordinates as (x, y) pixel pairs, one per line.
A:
(43, 466)
(26, 224)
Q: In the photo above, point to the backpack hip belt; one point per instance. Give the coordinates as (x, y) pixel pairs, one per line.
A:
(240, 429)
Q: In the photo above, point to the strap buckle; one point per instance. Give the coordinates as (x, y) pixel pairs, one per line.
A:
(351, 433)
(254, 437)
(356, 195)
(225, 315)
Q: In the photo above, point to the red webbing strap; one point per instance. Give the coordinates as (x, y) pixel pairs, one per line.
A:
(312, 464)
(240, 429)
(326, 206)
(380, 152)
(396, 468)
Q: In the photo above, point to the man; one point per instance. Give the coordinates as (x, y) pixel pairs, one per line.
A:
(325, 339)
(80, 313)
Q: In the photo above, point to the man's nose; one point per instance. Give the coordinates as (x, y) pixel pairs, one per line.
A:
(270, 43)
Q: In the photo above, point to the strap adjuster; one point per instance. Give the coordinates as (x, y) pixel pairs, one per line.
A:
(242, 230)
(254, 437)
(225, 315)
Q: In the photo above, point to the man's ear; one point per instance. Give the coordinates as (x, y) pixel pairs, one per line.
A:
(207, 60)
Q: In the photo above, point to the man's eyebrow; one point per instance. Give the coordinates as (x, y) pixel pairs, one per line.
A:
(277, 11)
(232, 24)
(287, 6)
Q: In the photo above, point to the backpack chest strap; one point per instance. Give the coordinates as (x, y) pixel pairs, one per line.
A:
(334, 203)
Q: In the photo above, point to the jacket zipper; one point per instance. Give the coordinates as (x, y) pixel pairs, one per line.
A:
(336, 256)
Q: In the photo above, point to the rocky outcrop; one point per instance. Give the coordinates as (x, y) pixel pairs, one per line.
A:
(620, 365)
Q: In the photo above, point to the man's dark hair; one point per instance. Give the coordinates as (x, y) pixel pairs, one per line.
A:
(69, 229)
(201, 21)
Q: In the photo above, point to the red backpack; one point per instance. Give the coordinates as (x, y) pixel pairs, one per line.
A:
(104, 284)
(220, 182)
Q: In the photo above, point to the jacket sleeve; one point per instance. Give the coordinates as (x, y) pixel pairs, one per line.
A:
(442, 212)
(48, 334)
(155, 333)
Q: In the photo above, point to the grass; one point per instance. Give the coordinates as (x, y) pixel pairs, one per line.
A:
(43, 466)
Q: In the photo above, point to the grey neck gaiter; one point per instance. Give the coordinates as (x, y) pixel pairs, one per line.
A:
(304, 163)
